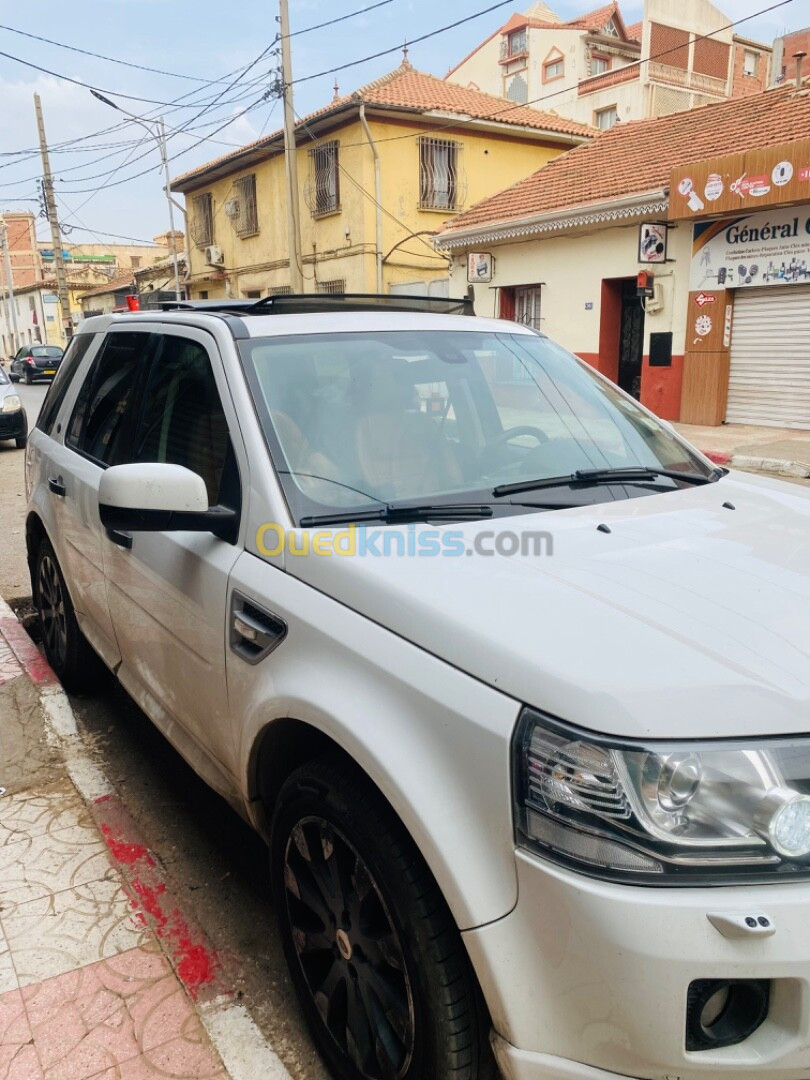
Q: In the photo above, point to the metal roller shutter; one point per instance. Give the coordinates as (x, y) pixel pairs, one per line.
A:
(769, 382)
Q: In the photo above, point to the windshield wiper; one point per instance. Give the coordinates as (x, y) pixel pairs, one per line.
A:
(397, 514)
(604, 476)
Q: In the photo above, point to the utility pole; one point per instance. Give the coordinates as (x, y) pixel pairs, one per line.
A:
(56, 236)
(290, 161)
(15, 336)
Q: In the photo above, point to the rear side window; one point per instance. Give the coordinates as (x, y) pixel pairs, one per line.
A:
(99, 426)
(74, 354)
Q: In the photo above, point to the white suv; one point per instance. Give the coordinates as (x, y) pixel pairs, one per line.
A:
(513, 680)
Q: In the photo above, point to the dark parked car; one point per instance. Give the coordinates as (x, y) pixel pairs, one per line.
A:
(13, 421)
(35, 362)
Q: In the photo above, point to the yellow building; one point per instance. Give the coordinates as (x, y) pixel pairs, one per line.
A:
(380, 171)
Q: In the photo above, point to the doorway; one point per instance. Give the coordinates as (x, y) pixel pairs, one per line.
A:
(631, 340)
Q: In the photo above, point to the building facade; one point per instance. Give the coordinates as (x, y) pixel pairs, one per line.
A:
(21, 240)
(379, 172)
(598, 70)
(724, 334)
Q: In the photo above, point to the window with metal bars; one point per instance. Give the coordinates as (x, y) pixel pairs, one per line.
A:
(246, 221)
(202, 220)
(324, 179)
(280, 290)
(438, 173)
(336, 286)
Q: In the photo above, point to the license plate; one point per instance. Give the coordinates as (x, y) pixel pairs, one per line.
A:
(49, 371)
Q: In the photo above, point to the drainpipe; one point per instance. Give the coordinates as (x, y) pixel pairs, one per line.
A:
(377, 196)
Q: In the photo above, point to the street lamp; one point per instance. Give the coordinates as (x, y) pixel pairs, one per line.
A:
(158, 133)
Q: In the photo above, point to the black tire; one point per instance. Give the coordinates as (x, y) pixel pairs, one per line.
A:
(13, 376)
(66, 648)
(29, 379)
(20, 442)
(373, 951)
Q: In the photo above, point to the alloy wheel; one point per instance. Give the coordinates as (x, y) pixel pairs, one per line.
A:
(52, 610)
(349, 951)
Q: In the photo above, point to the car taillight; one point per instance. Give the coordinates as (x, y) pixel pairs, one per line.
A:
(30, 360)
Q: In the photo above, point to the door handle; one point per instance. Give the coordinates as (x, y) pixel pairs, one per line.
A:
(57, 486)
(122, 539)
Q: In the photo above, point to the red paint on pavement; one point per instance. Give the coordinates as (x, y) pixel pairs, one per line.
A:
(196, 964)
(125, 853)
(719, 457)
(36, 666)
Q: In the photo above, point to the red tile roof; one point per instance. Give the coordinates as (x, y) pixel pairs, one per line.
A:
(634, 31)
(595, 20)
(124, 282)
(639, 156)
(412, 90)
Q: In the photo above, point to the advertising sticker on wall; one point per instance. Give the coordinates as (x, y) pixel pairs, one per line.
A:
(769, 248)
(652, 242)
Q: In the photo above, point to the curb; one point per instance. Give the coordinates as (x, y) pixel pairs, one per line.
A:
(244, 1051)
(758, 464)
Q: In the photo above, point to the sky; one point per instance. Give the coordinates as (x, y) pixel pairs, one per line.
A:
(211, 45)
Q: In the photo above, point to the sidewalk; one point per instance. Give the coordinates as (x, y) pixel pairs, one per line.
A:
(744, 446)
(102, 977)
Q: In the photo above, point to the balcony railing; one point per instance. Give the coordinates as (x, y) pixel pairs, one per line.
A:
(608, 78)
(688, 80)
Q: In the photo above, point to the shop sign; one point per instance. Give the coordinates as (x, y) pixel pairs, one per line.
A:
(652, 242)
(480, 266)
(741, 183)
(771, 248)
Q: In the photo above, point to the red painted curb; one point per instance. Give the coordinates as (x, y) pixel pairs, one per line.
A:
(34, 663)
(196, 963)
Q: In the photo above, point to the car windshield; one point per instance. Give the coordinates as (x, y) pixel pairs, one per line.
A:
(427, 416)
(46, 350)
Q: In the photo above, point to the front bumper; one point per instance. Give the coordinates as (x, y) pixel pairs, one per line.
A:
(588, 980)
(13, 425)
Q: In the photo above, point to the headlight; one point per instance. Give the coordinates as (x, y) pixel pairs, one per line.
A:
(663, 813)
(11, 403)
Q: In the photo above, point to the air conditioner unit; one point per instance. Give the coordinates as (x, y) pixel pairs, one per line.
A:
(214, 256)
(231, 208)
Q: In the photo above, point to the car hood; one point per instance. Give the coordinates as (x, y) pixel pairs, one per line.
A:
(689, 618)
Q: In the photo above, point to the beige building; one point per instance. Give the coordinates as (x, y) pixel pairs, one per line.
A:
(598, 70)
(379, 170)
(114, 258)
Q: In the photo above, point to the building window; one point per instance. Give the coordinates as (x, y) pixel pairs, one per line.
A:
(202, 220)
(253, 294)
(517, 90)
(554, 66)
(280, 290)
(517, 42)
(246, 218)
(599, 65)
(203, 294)
(606, 118)
(334, 287)
(750, 63)
(135, 261)
(324, 179)
(610, 29)
(438, 173)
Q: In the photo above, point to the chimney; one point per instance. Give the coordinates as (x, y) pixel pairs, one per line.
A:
(799, 58)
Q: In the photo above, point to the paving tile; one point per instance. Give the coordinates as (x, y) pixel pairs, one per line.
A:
(49, 863)
(8, 977)
(18, 1057)
(70, 929)
(126, 1018)
(49, 810)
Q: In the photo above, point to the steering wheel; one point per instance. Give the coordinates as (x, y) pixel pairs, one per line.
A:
(513, 433)
(489, 457)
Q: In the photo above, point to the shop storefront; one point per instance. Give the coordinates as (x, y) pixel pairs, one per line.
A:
(748, 325)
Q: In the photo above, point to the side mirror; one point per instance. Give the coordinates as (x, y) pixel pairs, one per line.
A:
(154, 497)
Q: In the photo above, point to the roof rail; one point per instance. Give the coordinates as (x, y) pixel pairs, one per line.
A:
(311, 303)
